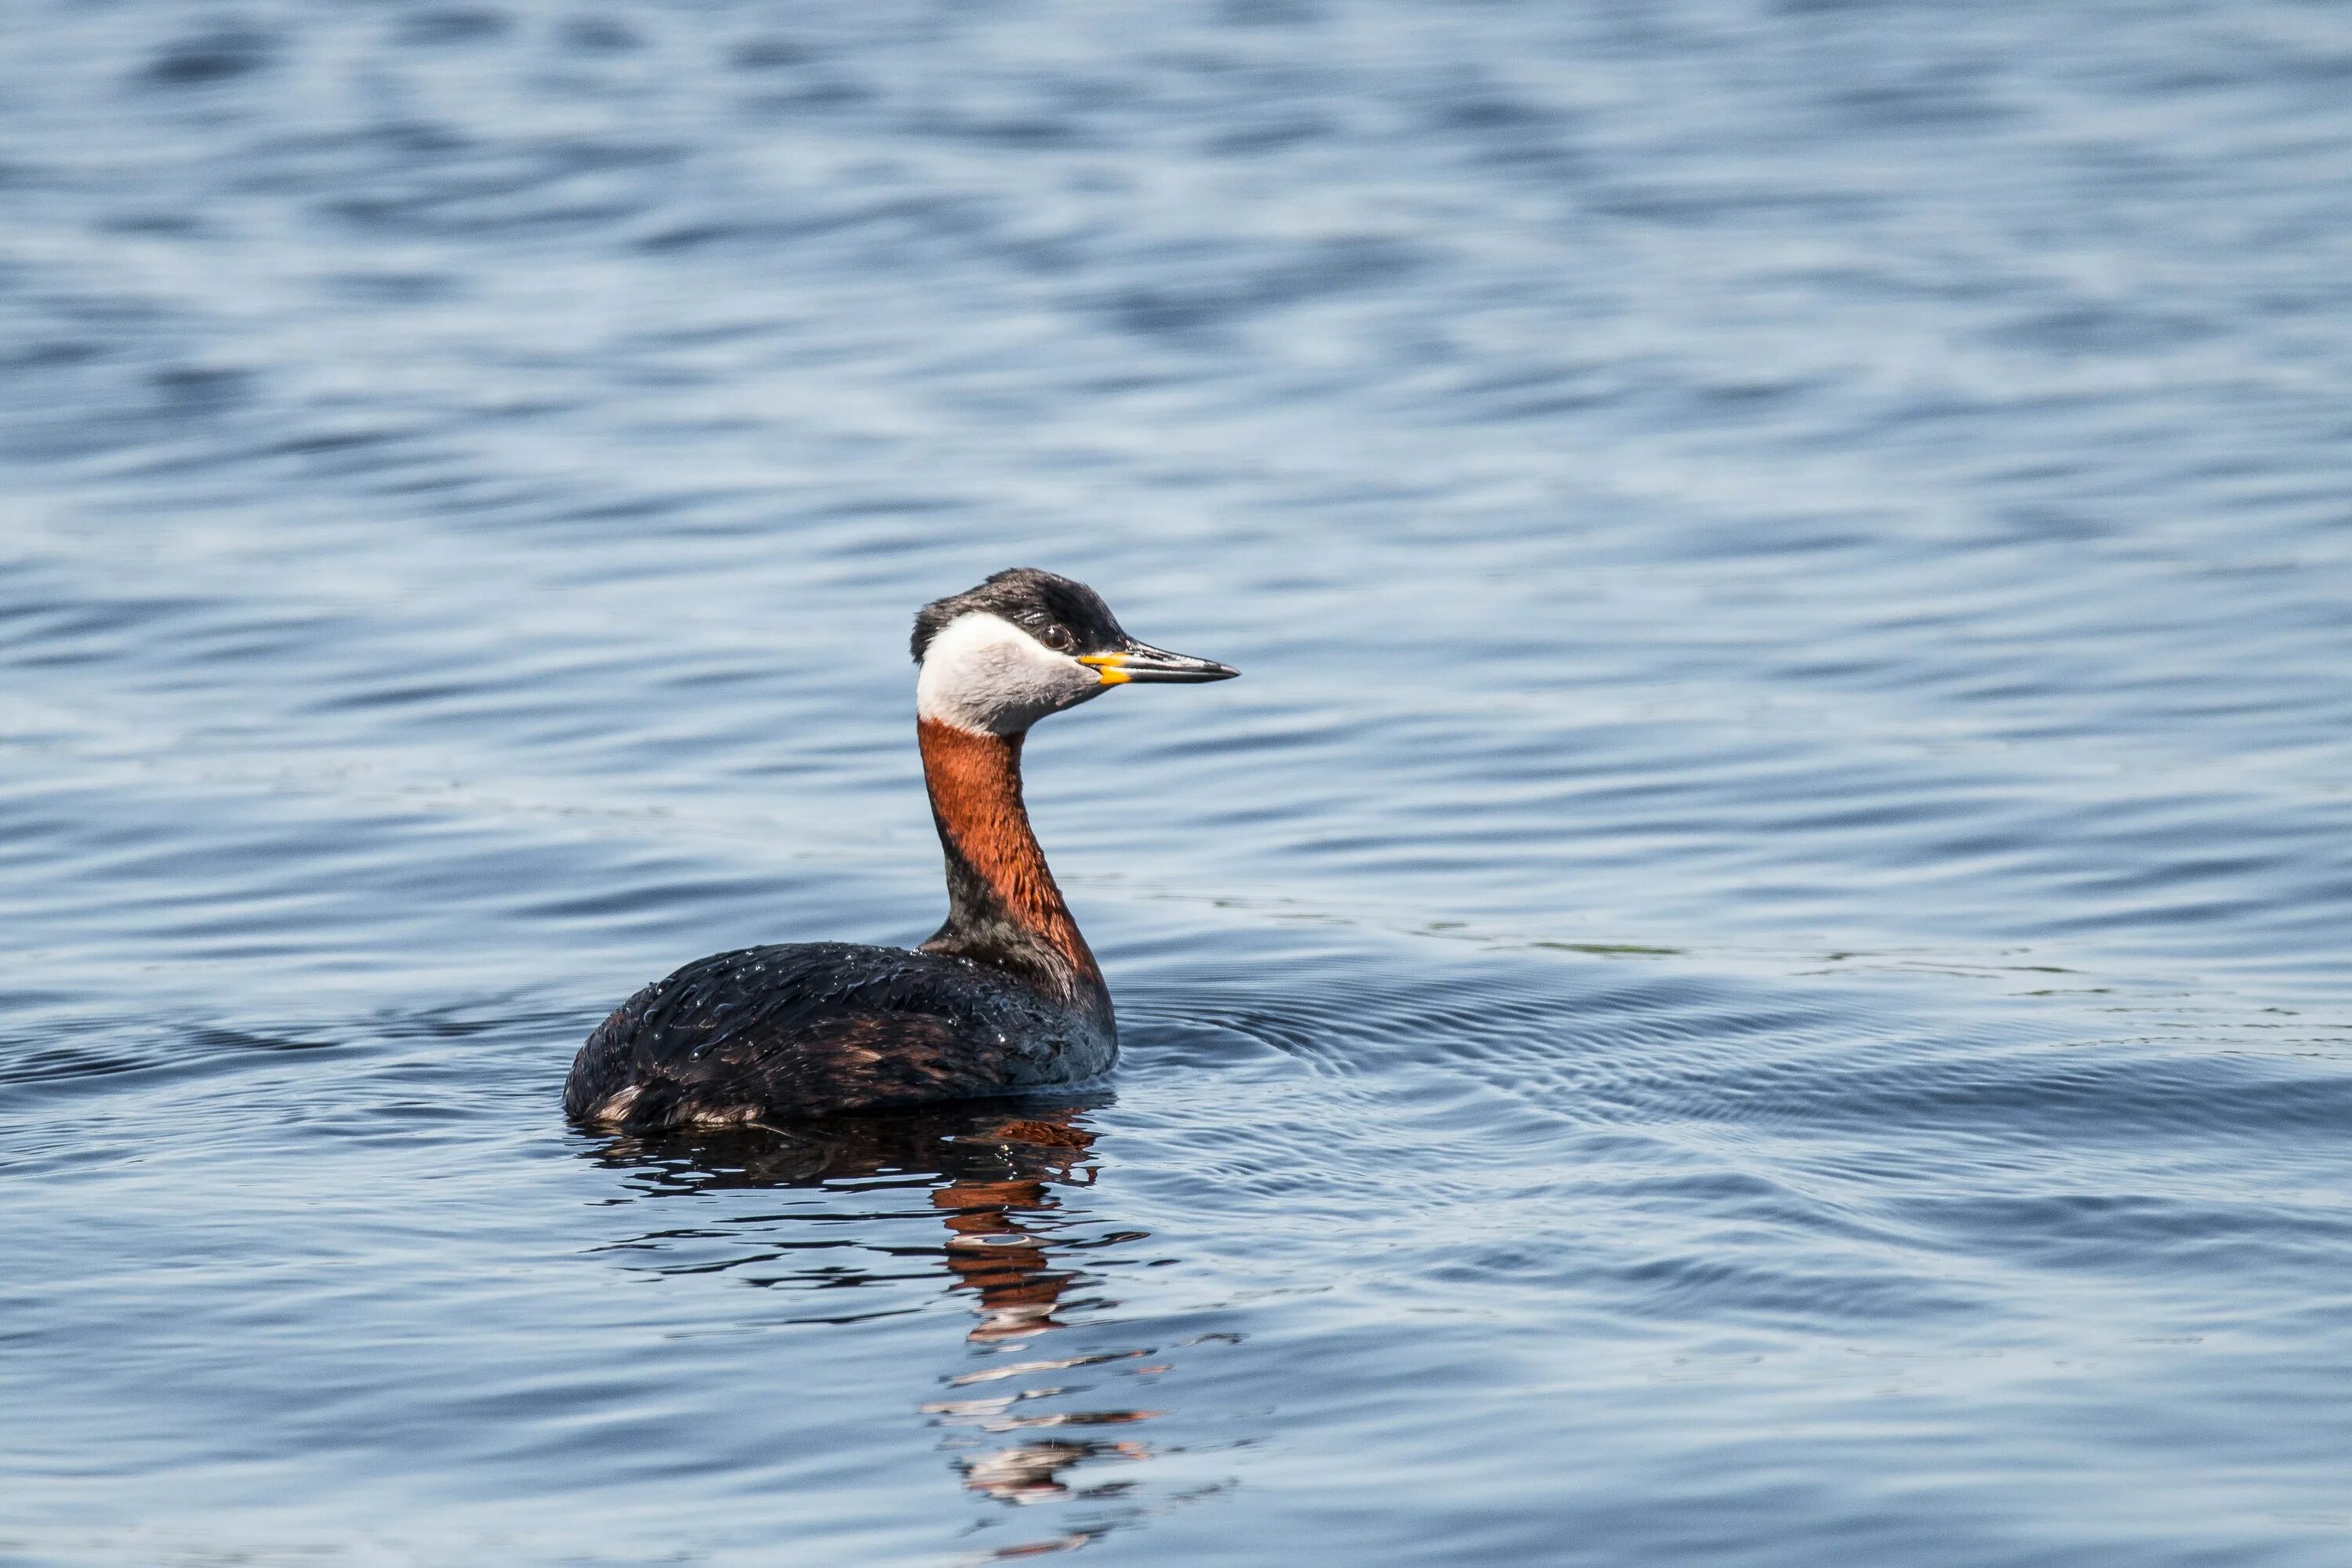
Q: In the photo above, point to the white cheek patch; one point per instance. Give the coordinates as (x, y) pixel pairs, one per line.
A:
(985, 674)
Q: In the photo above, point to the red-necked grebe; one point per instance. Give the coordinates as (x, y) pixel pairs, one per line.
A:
(1006, 996)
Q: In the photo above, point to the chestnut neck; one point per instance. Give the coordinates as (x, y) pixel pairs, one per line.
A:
(1003, 910)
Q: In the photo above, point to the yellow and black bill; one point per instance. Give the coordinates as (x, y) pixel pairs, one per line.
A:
(1140, 662)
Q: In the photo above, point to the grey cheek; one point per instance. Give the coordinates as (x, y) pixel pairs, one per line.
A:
(1078, 684)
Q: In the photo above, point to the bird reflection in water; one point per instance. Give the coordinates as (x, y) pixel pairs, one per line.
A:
(996, 1174)
(990, 1250)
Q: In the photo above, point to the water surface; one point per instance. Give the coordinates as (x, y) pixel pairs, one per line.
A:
(1752, 975)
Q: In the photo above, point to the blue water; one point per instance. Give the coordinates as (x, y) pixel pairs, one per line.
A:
(1753, 976)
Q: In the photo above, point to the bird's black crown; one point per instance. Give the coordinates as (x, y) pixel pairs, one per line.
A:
(1033, 601)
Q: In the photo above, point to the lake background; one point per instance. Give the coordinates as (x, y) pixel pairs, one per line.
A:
(1755, 973)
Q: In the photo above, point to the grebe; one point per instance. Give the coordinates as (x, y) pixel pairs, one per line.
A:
(1005, 996)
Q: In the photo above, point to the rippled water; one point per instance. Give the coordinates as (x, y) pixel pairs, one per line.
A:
(1754, 975)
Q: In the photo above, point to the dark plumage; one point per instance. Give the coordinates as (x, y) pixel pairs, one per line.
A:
(813, 1027)
(1032, 600)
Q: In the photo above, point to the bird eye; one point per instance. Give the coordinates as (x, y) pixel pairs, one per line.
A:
(1056, 636)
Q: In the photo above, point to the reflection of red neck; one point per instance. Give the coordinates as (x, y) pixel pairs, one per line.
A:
(975, 783)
